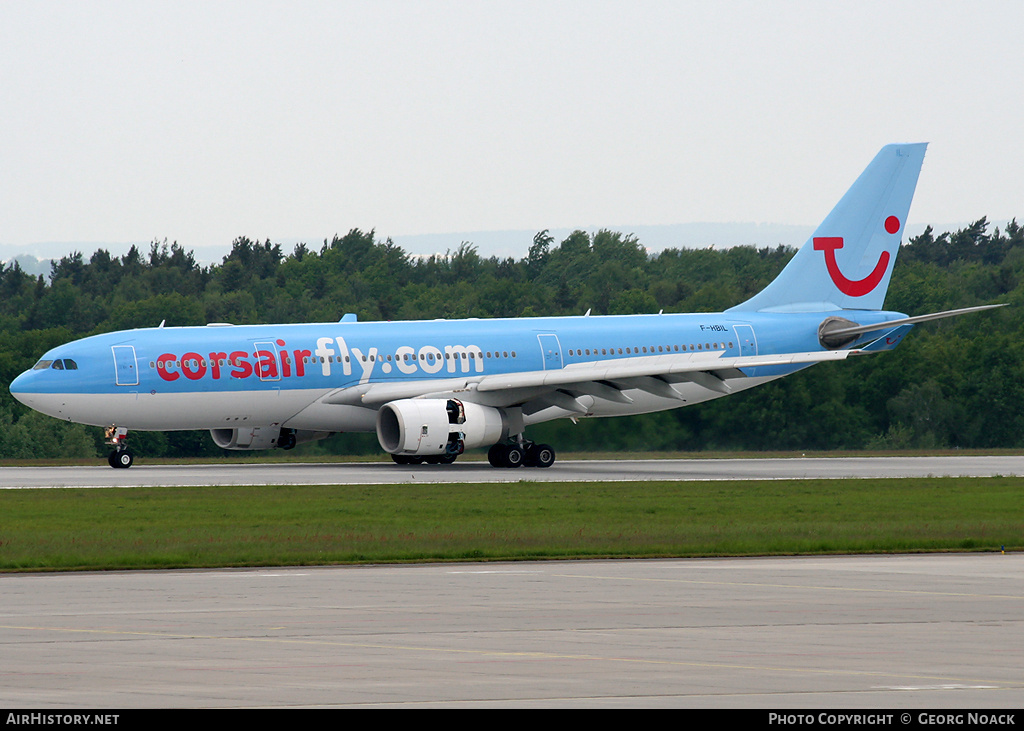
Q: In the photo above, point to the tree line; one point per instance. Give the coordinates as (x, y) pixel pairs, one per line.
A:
(953, 383)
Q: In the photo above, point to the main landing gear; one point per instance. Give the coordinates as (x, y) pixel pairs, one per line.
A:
(515, 454)
(120, 457)
(509, 454)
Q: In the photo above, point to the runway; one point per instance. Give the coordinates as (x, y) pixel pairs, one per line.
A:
(875, 632)
(383, 473)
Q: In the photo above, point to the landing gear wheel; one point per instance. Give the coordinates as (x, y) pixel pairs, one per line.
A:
(406, 459)
(514, 456)
(120, 459)
(511, 456)
(541, 455)
(117, 437)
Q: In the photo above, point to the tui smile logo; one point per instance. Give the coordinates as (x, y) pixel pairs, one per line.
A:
(854, 287)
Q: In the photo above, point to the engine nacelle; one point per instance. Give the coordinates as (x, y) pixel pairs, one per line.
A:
(437, 426)
(264, 437)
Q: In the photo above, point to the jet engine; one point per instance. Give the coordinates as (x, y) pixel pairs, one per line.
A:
(264, 437)
(437, 426)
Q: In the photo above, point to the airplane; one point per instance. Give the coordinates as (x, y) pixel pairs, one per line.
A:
(433, 389)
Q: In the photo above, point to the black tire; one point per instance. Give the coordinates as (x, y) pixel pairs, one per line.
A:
(543, 455)
(496, 455)
(405, 459)
(514, 456)
(121, 459)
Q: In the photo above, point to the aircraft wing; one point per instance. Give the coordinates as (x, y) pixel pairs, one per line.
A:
(607, 379)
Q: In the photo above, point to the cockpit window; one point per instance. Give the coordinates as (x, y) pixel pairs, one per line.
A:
(61, 364)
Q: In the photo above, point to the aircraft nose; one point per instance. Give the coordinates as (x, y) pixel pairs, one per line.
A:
(30, 389)
(21, 389)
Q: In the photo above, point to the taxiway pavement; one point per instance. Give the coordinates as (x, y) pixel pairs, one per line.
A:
(876, 632)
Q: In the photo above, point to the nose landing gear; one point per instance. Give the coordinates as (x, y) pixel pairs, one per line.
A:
(120, 457)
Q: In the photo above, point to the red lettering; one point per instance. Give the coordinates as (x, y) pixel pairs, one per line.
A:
(193, 366)
(261, 363)
(286, 370)
(267, 365)
(243, 369)
(163, 364)
(300, 361)
(215, 359)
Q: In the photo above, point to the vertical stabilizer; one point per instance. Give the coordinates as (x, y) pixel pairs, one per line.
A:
(848, 261)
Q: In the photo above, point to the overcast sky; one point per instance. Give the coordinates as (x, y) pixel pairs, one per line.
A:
(202, 121)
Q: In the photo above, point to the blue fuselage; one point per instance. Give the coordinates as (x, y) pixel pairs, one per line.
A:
(219, 360)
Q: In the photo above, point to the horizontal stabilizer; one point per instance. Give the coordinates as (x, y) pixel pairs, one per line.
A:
(844, 334)
(887, 341)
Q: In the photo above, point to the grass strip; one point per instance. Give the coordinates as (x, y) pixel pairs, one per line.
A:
(116, 528)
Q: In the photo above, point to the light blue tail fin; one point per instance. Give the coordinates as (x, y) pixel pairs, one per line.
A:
(847, 263)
